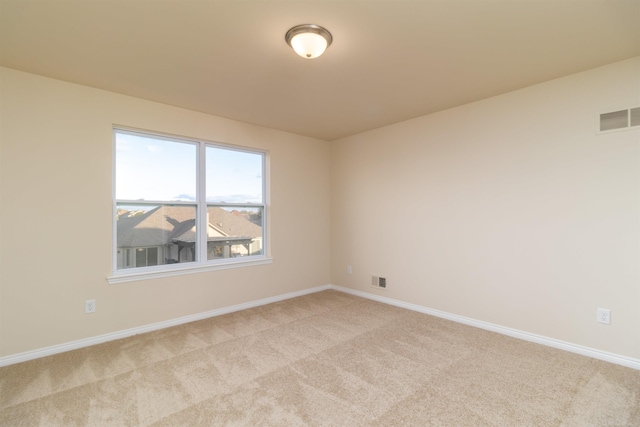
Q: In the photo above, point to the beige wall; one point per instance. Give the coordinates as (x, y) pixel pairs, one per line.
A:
(510, 210)
(56, 225)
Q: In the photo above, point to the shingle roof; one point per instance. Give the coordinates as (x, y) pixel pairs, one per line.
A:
(164, 224)
(233, 224)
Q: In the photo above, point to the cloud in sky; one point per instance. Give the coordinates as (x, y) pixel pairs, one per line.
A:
(235, 198)
(184, 197)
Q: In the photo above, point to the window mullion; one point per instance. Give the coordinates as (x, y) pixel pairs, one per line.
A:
(201, 236)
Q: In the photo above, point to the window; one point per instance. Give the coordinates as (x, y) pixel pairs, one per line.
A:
(182, 204)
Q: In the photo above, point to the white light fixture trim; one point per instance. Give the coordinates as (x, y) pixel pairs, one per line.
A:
(308, 40)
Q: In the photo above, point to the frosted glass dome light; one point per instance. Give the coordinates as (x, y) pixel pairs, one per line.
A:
(309, 41)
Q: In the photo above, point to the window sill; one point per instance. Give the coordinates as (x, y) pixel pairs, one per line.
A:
(130, 276)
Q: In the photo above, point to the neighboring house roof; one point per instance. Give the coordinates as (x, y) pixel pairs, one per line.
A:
(233, 224)
(166, 224)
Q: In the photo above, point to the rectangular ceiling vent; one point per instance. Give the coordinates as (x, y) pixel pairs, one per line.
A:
(621, 119)
(379, 282)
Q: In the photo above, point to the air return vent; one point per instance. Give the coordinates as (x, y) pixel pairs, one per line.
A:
(621, 119)
(634, 116)
(379, 282)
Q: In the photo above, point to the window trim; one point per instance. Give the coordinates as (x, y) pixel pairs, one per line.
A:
(133, 275)
(201, 263)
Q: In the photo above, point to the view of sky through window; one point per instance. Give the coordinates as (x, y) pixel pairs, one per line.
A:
(233, 176)
(152, 168)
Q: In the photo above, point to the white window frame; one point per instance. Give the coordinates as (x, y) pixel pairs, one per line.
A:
(201, 262)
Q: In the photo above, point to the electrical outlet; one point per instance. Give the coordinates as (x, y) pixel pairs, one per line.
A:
(349, 269)
(604, 316)
(90, 306)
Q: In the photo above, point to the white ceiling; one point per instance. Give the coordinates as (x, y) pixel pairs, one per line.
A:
(390, 60)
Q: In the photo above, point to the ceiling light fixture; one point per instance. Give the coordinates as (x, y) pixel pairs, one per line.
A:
(308, 40)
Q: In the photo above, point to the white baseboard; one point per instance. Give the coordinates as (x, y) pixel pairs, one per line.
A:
(73, 345)
(550, 342)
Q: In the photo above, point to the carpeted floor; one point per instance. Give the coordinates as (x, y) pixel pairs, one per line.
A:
(326, 359)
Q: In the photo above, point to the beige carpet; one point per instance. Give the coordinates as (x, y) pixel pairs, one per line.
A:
(328, 359)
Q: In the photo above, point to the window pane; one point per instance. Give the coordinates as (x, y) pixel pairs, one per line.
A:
(151, 235)
(234, 232)
(152, 256)
(150, 168)
(233, 176)
(141, 257)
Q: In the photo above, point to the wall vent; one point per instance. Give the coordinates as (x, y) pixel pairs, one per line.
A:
(621, 119)
(634, 116)
(379, 282)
